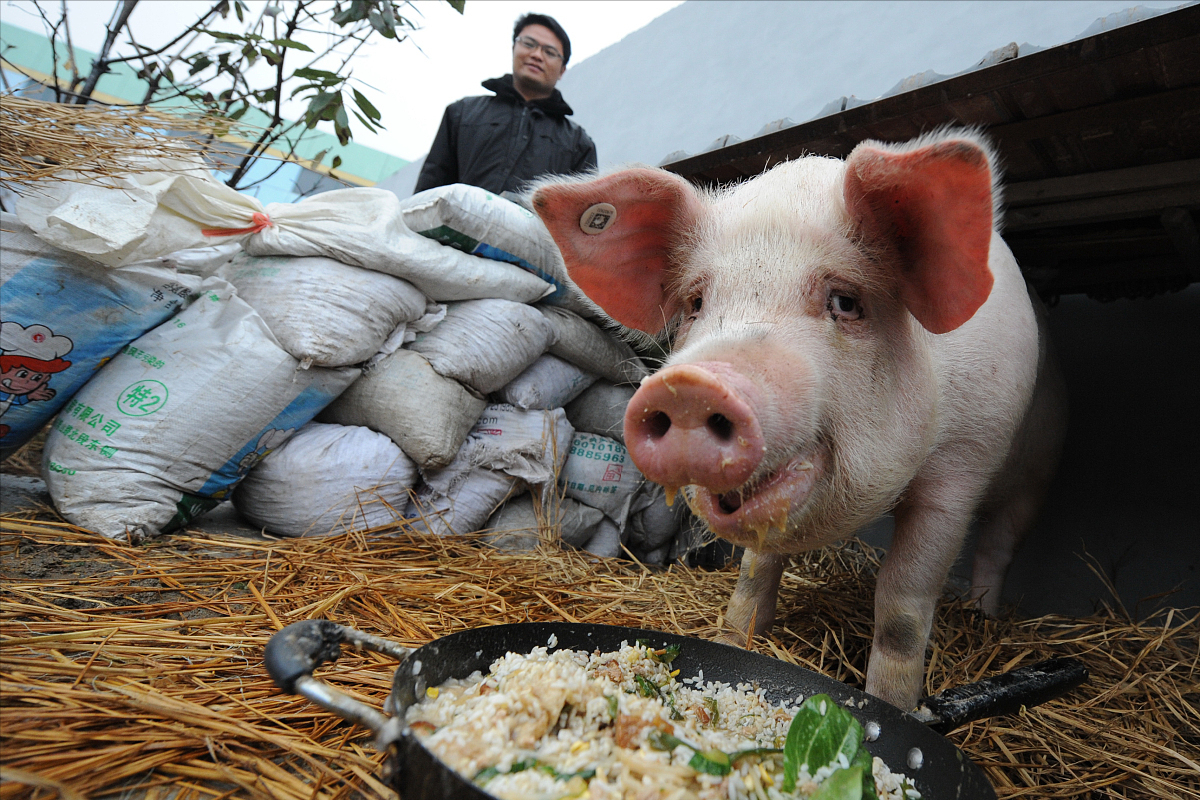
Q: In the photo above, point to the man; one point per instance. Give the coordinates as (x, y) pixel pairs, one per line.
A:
(501, 141)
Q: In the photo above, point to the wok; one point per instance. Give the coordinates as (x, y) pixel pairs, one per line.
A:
(909, 743)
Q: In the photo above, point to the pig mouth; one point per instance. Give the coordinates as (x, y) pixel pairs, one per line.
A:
(747, 514)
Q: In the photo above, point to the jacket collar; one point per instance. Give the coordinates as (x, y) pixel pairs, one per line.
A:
(554, 105)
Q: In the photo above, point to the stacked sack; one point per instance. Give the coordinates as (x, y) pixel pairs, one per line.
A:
(352, 361)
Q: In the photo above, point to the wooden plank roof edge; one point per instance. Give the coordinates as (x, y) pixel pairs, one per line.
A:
(1173, 26)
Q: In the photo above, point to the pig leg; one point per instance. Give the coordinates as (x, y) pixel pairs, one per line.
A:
(1013, 502)
(754, 597)
(928, 537)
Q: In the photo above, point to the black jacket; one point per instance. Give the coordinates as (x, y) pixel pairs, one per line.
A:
(500, 141)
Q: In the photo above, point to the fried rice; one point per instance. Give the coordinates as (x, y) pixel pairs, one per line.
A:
(613, 725)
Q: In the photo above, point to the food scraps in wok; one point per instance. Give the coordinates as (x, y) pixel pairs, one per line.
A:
(601, 726)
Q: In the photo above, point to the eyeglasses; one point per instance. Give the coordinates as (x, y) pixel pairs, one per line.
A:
(529, 43)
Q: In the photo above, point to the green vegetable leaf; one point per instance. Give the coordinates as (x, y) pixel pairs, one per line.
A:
(668, 653)
(613, 706)
(669, 699)
(661, 740)
(863, 760)
(755, 751)
(714, 712)
(645, 687)
(844, 784)
(486, 774)
(711, 762)
(642, 643)
(820, 731)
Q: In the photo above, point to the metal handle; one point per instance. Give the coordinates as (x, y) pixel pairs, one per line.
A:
(1001, 694)
(293, 653)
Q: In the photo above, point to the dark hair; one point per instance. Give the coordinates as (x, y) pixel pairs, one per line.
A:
(525, 20)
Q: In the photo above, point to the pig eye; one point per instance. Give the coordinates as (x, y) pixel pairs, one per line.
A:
(845, 307)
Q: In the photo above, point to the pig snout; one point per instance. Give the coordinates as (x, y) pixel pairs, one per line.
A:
(693, 424)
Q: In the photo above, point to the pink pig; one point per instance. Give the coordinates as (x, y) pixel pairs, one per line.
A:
(850, 338)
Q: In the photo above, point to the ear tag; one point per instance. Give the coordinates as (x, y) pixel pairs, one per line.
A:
(598, 218)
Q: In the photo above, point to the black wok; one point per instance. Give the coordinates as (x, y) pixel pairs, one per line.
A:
(909, 743)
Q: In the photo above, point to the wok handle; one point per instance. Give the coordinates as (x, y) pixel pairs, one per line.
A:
(1001, 694)
(293, 653)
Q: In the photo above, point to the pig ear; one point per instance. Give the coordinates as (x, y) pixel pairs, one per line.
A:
(617, 234)
(933, 202)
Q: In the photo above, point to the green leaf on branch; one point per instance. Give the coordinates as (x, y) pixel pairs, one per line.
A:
(341, 124)
(356, 11)
(337, 162)
(221, 36)
(458, 5)
(820, 732)
(292, 43)
(365, 104)
(372, 127)
(324, 76)
(317, 107)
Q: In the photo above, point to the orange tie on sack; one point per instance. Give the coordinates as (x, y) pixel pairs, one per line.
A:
(260, 219)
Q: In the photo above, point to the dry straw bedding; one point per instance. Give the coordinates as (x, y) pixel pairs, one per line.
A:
(145, 668)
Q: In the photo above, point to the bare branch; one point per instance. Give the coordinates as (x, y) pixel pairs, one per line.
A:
(193, 28)
(100, 65)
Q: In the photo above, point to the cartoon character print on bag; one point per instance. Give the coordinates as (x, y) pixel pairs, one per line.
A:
(29, 357)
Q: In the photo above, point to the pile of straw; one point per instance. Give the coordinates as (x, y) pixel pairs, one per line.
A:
(142, 666)
(41, 141)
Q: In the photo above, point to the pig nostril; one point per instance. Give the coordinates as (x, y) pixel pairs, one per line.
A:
(721, 427)
(658, 425)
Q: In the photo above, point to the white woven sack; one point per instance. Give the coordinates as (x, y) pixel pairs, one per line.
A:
(328, 479)
(653, 524)
(576, 522)
(600, 473)
(185, 412)
(548, 382)
(484, 344)
(146, 215)
(424, 413)
(531, 445)
(323, 312)
(607, 540)
(62, 316)
(589, 347)
(460, 497)
(201, 261)
(600, 409)
(515, 526)
(476, 221)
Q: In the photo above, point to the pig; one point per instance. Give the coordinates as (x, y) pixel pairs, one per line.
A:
(848, 339)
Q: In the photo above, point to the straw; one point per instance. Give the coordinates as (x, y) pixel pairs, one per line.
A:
(42, 141)
(147, 668)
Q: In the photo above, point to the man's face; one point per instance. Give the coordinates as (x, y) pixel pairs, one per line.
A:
(22, 381)
(532, 66)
